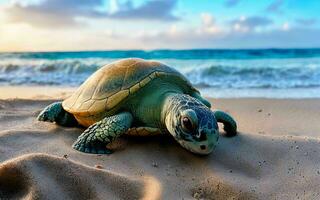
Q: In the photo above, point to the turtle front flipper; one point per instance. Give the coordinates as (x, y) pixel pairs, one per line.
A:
(95, 138)
(55, 113)
(229, 124)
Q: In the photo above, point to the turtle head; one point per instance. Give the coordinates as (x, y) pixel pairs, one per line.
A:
(192, 124)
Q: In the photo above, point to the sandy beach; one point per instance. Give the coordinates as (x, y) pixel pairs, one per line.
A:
(274, 156)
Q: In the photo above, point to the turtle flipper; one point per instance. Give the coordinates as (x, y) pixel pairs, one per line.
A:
(229, 124)
(95, 138)
(55, 113)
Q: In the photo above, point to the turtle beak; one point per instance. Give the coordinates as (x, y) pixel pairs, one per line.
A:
(208, 140)
(204, 143)
(202, 134)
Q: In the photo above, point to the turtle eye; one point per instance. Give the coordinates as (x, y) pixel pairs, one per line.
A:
(187, 124)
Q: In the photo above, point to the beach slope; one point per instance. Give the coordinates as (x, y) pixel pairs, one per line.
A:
(276, 155)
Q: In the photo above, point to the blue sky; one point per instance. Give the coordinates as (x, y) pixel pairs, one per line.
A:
(51, 25)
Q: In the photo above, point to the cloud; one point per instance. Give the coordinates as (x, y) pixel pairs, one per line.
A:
(306, 21)
(208, 24)
(57, 13)
(182, 36)
(285, 26)
(228, 37)
(150, 10)
(53, 12)
(245, 24)
(275, 7)
(231, 3)
(207, 34)
(276, 38)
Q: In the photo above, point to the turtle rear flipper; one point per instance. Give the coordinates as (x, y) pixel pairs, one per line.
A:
(55, 113)
(230, 125)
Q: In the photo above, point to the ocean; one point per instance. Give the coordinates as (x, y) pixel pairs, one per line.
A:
(269, 73)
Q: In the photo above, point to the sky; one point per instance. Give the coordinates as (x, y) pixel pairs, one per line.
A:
(77, 25)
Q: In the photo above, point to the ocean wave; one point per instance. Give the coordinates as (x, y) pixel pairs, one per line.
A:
(256, 73)
(65, 66)
(255, 77)
(47, 72)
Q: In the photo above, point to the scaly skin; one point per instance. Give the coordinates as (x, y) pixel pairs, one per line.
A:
(95, 138)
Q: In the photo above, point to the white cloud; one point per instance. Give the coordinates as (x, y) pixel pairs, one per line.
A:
(240, 28)
(243, 18)
(207, 19)
(248, 32)
(113, 6)
(173, 30)
(270, 39)
(285, 26)
(208, 25)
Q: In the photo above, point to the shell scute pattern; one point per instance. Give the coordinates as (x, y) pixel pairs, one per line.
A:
(70, 102)
(86, 93)
(98, 104)
(134, 88)
(113, 83)
(145, 81)
(116, 99)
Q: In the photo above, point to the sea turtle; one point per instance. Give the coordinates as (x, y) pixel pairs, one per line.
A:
(139, 97)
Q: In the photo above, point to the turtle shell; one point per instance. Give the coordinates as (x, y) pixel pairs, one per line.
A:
(115, 82)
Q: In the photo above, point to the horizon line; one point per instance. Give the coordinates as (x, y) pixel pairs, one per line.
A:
(165, 49)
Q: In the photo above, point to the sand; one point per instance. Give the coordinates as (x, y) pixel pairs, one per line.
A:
(274, 156)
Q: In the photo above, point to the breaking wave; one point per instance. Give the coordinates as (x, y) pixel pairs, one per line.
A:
(294, 70)
(252, 77)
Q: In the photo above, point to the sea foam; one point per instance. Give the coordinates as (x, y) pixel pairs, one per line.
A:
(213, 69)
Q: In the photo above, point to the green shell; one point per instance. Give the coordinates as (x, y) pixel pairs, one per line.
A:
(115, 82)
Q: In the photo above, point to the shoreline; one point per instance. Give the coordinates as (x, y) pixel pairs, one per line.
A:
(61, 92)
